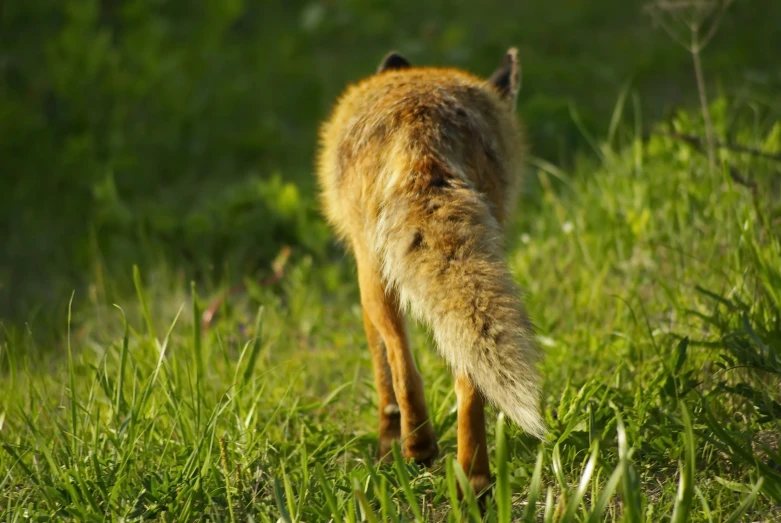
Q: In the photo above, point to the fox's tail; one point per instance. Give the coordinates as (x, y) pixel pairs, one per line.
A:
(442, 249)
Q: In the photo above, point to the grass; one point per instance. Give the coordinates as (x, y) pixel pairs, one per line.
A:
(154, 136)
(655, 288)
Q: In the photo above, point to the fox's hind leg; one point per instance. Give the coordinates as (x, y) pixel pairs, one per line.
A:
(472, 445)
(390, 414)
(382, 312)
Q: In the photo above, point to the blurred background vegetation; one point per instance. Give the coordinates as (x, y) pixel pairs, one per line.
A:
(177, 133)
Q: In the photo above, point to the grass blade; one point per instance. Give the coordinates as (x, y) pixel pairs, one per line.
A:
(389, 509)
(289, 495)
(304, 473)
(502, 492)
(685, 495)
(143, 301)
(279, 497)
(604, 497)
(72, 381)
(197, 348)
(468, 492)
(452, 489)
(618, 112)
(705, 506)
(256, 345)
(630, 485)
(366, 508)
(118, 407)
(575, 500)
(328, 493)
(534, 489)
(547, 516)
(401, 470)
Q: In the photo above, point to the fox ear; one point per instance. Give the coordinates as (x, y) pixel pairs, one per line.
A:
(507, 78)
(393, 60)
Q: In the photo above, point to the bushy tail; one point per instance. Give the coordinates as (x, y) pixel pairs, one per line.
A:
(441, 248)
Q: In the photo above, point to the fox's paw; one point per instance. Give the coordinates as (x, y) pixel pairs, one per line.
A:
(421, 446)
(480, 484)
(423, 452)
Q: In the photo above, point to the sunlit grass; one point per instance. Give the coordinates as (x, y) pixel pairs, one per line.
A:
(654, 286)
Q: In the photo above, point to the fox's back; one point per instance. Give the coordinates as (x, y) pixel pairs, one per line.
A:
(386, 125)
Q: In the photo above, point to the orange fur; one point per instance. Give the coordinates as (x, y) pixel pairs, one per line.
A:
(419, 168)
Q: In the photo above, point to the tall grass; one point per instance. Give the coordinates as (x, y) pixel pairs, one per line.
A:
(655, 287)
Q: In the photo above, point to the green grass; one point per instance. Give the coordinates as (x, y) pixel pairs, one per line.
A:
(181, 140)
(655, 285)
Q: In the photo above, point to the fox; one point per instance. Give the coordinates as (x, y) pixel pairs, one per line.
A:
(418, 170)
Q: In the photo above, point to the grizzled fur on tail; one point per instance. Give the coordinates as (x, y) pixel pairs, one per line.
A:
(441, 248)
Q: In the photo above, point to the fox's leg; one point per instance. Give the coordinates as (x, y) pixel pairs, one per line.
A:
(381, 306)
(472, 445)
(390, 415)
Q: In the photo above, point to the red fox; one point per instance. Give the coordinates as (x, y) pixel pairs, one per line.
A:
(419, 168)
